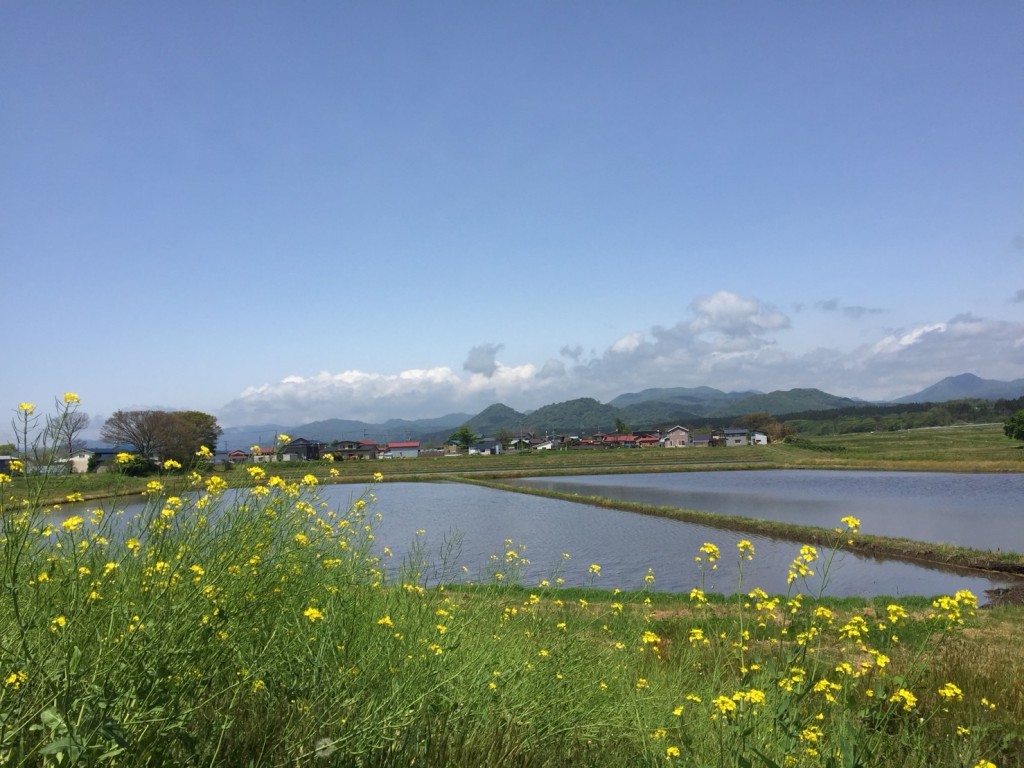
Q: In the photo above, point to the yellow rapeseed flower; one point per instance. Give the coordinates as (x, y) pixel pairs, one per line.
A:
(595, 569)
(123, 457)
(753, 696)
(378, 477)
(58, 622)
(313, 614)
(172, 464)
(710, 551)
(27, 408)
(811, 734)
(852, 523)
(15, 679)
(724, 705)
(71, 398)
(73, 523)
(671, 752)
(951, 692)
(904, 698)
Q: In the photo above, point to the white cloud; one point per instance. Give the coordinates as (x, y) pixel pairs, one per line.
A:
(377, 397)
(730, 342)
(895, 343)
(628, 343)
(734, 315)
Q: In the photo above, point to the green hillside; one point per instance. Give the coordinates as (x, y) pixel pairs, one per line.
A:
(785, 401)
(583, 415)
(654, 414)
(495, 418)
(696, 400)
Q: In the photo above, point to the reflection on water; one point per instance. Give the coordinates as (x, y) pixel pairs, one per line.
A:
(465, 526)
(977, 510)
(625, 545)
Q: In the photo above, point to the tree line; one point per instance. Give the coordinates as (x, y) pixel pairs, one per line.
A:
(163, 435)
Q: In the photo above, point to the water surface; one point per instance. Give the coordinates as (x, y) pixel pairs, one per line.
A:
(985, 511)
(624, 544)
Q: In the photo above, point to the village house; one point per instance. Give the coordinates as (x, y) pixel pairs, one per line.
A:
(403, 450)
(676, 437)
(350, 450)
(101, 459)
(485, 448)
(648, 440)
(302, 449)
(736, 436)
(262, 455)
(700, 439)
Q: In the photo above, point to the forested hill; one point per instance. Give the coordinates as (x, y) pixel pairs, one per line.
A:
(952, 400)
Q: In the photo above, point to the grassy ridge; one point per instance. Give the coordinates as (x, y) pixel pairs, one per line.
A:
(876, 546)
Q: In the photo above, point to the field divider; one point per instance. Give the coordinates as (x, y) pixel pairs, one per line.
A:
(961, 559)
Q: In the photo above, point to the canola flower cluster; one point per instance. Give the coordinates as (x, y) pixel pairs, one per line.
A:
(265, 610)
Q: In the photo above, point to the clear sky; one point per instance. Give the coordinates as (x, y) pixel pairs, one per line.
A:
(280, 212)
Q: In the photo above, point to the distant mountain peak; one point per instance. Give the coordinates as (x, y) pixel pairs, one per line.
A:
(966, 386)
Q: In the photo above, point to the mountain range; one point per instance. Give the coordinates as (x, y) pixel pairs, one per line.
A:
(649, 408)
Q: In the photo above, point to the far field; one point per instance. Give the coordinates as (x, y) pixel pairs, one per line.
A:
(970, 448)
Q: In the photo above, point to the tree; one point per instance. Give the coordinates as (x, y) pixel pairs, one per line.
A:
(163, 434)
(184, 432)
(757, 422)
(139, 429)
(463, 437)
(63, 431)
(621, 427)
(504, 437)
(1014, 426)
(765, 422)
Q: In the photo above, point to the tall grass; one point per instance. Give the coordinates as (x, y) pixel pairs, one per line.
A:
(259, 626)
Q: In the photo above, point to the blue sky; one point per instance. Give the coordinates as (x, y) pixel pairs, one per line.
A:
(280, 213)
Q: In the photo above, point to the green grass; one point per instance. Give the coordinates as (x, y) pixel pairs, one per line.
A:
(263, 630)
(259, 627)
